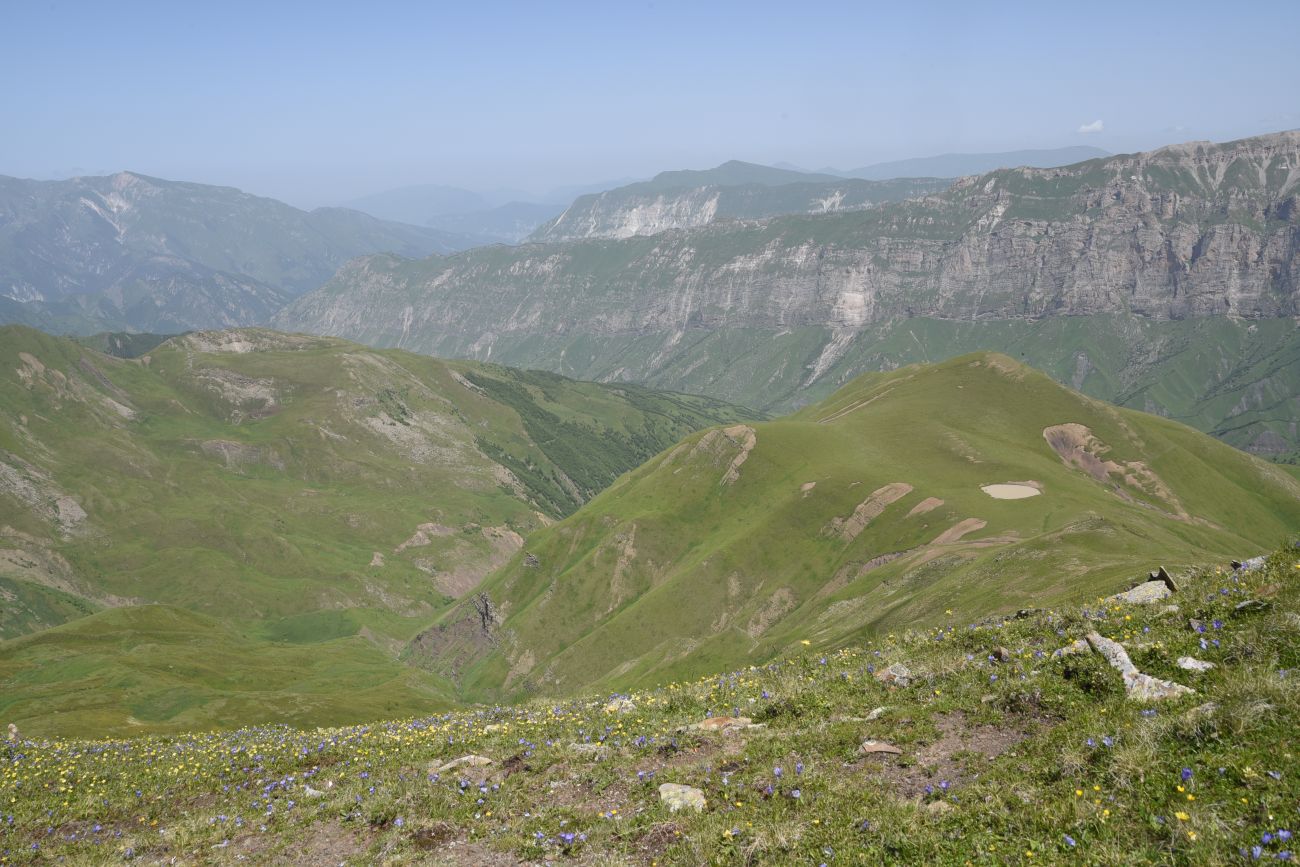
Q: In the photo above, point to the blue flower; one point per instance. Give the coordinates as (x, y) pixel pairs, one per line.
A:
(1186, 774)
(1069, 841)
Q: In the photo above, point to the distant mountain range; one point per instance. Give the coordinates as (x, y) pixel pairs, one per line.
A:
(1166, 281)
(133, 252)
(734, 190)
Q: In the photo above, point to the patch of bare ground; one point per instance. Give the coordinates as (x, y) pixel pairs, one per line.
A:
(328, 843)
(958, 756)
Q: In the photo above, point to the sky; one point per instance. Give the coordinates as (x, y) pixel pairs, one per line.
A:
(317, 103)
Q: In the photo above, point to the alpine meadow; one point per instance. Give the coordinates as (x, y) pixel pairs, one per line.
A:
(659, 434)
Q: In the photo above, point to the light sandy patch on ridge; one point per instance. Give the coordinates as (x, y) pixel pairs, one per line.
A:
(1011, 491)
(927, 505)
(744, 436)
(1078, 447)
(961, 528)
(868, 510)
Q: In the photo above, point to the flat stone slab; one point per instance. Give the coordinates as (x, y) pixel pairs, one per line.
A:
(1143, 594)
(679, 797)
(1138, 686)
(874, 747)
(1191, 663)
(470, 761)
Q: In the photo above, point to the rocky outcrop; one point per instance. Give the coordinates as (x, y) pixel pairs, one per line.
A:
(772, 310)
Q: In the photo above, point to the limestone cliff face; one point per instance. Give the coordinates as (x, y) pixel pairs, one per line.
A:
(1191, 230)
(1183, 233)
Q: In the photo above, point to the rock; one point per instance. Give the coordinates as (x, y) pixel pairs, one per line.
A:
(1189, 663)
(493, 727)
(872, 747)
(679, 797)
(1251, 606)
(1170, 609)
(531, 561)
(312, 793)
(1143, 594)
(723, 723)
(596, 752)
(468, 761)
(1138, 686)
(1074, 648)
(876, 713)
(1202, 711)
(14, 737)
(938, 808)
(1001, 654)
(620, 705)
(897, 674)
(1196, 625)
(1248, 565)
(1161, 575)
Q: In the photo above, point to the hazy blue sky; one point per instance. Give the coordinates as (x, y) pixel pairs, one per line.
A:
(318, 102)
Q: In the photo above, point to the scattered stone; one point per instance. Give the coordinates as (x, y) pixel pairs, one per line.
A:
(1074, 648)
(938, 808)
(313, 793)
(872, 747)
(1143, 594)
(596, 752)
(1188, 663)
(620, 705)
(897, 674)
(1027, 612)
(470, 761)
(1170, 609)
(1001, 654)
(877, 713)
(1251, 606)
(1196, 625)
(14, 737)
(1161, 575)
(723, 723)
(493, 727)
(1138, 686)
(1210, 708)
(1248, 565)
(531, 561)
(679, 797)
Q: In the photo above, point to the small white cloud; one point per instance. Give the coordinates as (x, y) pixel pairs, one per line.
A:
(1095, 126)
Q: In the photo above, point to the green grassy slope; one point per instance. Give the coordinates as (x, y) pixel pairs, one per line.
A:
(680, 568)
(1007, 754)
(160, 668)
(300, 489)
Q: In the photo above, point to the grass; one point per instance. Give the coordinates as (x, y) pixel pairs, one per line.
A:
(256, 489)
(1008, 755)
(673, 572)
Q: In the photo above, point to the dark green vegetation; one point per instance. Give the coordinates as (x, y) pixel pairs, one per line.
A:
(135, 253)
(1164, 281)
(857, 516)
(1007, 754)
(303, 498)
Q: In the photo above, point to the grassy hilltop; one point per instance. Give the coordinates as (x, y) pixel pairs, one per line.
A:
(856, 516)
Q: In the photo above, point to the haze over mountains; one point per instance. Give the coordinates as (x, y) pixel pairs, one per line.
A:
(137, 253)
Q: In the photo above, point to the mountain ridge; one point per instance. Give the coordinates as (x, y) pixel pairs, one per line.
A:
(1111, 272)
